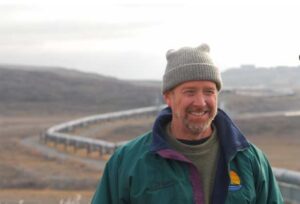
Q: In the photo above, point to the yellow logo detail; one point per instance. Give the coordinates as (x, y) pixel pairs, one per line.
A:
(234, 178)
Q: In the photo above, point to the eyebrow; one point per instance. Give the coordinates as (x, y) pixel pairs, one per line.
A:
(206, 87)
(188, 87)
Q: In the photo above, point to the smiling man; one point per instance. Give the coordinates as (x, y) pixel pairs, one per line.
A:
(194, 153)
(194, 106)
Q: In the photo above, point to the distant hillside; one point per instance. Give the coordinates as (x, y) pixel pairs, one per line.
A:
(251, 76)
(55, 89)
(69, 89)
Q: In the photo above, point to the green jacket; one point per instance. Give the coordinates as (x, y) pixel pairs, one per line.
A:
(146, 171)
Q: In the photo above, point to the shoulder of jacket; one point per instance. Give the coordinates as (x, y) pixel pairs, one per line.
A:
(254, 155)
(256, 152)
(258, 159)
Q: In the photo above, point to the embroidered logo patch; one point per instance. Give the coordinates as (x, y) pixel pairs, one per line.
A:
(235, 181)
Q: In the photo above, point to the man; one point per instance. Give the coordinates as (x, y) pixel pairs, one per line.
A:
(194, 153)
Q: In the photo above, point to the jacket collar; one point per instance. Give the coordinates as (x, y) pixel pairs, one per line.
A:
(158, 130)
(231, 138)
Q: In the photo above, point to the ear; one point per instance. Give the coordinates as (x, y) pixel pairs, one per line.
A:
(167, 98)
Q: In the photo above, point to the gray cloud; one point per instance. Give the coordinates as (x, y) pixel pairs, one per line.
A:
(67, 31)
(22, 40)
(126, 65)
(35, 30)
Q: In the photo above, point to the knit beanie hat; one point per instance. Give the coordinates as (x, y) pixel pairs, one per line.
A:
(190, 64)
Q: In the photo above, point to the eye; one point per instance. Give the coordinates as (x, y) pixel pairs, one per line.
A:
(209, 91)
(189, 92)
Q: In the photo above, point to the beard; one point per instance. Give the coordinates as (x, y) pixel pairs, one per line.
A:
(197, 127)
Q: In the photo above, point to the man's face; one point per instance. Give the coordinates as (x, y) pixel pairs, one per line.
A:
(194, 106)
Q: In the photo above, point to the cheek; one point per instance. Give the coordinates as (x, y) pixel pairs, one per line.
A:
(214, 103)
(185, 103)
(211, 101)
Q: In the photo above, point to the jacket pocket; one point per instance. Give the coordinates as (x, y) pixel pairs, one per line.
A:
(240, 194)
(162, 192)
(161, 185)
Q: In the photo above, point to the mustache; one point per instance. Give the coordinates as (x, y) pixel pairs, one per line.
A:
(197, 109)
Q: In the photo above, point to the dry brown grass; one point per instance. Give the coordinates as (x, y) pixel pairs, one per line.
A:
(278, 137)
(45, 196)
(119, 130)
(28, 175)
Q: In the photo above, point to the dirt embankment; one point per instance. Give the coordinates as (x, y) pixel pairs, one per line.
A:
(23, 167)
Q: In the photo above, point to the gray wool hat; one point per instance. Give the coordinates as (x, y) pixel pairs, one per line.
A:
(190, 64)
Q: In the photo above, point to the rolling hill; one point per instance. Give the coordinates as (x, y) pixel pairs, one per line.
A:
(56, 89)
(59, 89)
(258, 77)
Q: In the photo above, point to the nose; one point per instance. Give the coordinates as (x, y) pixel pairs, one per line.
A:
(199, 100)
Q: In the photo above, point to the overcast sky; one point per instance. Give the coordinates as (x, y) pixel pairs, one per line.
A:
(128, 39)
